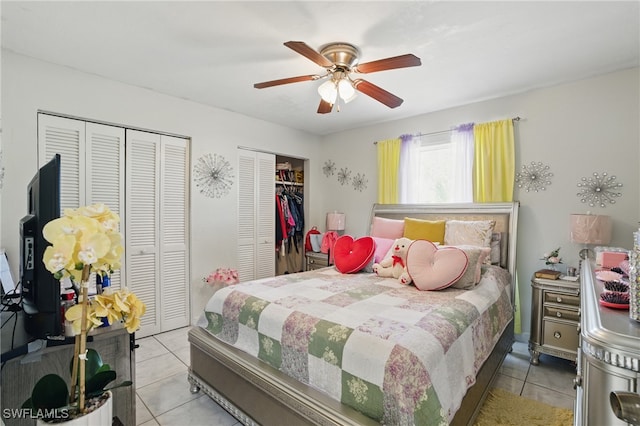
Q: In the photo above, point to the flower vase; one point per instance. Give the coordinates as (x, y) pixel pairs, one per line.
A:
(100, 416)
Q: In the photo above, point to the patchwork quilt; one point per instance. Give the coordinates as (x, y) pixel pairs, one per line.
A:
(397, 354)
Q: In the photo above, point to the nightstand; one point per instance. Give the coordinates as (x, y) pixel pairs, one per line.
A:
(316, 260)
(555, 318)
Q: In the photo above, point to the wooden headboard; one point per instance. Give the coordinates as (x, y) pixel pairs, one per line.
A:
(505, 215)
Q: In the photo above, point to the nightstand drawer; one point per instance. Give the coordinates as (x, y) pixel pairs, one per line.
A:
(560, 335)
(316, 260)
(556, 312)
(565, 299)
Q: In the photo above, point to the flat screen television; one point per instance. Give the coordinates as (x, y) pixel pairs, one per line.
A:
(40, 290)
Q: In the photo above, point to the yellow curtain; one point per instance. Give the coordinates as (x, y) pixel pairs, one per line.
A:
(494, 162)
(388, 168)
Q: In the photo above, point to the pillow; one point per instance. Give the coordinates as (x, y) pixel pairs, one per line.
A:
(476, 256)
(419, 229)
(382, 248)
(431, 268)
(351, 256)
(387, 228)
(469, 232)
(496, 240)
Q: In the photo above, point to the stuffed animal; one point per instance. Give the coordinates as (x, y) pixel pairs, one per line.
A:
(396, 265)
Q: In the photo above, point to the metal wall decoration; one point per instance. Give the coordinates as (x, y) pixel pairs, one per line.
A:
(534, 177)
(329, 168)
(213, 175)
(599, 190)
(359, 182)
(344, 175)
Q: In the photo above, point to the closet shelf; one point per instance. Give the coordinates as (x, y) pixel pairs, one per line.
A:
(279, 182)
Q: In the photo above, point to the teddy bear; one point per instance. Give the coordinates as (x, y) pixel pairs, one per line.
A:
(395, 265)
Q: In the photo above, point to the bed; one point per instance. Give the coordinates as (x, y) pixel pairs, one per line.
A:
(285, 357)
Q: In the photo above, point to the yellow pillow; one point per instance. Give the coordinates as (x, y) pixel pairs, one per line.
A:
(420, 229)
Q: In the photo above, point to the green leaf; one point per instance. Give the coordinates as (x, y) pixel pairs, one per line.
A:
(99, 381)
(93, 364)
(50, 392)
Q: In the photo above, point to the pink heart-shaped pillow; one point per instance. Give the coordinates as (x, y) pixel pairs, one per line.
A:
(431, 268)
(351, 256)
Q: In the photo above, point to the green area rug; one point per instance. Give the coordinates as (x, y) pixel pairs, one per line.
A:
(505, 408)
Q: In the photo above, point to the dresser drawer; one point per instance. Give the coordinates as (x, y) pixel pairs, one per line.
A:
(562, 298)
(560, 335)
(557, 312)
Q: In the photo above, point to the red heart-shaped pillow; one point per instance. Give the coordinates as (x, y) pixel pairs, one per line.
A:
(431, 268)
(351, 256)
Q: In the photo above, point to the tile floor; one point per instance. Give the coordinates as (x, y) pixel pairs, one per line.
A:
(163, 396)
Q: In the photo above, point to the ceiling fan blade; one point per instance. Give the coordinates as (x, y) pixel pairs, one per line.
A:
(308, 52)
(402, 61)
(324, 107)
(377, 93)
(285, 81)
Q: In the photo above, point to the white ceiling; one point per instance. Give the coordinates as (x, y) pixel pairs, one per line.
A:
(212, 52)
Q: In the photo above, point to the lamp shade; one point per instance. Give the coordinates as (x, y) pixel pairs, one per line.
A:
(590, 229)
(335, 221)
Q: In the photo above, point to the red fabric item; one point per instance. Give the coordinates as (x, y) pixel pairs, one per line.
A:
(351, 256)
(307, 239)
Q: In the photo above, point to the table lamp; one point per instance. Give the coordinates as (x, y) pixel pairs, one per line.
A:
(335, 222)
(590, 229)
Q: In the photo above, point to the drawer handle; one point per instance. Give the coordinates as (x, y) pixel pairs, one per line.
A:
(559, 299)
(559, 314)
(557, 335)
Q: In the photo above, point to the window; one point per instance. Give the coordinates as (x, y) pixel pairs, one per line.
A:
(435, 169)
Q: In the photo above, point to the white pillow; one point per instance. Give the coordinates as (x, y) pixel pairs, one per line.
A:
(468, 232)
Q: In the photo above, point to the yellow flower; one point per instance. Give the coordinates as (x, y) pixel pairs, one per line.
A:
(104, 308)
(59, 256)
(74, 314)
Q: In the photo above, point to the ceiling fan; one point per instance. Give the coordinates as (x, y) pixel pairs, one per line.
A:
(340, 61)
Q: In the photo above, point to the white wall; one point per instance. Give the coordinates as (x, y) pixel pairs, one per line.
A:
(29, 85)
(577, 129)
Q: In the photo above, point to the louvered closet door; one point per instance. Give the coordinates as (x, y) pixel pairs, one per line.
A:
(266, 225)
(256, 215)
(174, 261)
(64, 136)
(105, 175)
(92, 164)
(246, 215)
(143, 225)
(157, 226)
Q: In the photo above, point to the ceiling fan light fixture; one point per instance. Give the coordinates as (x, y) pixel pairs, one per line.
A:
(346, 90)
(328, 91)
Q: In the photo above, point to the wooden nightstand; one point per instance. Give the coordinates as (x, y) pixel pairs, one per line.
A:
(316, 260)
(555, 318)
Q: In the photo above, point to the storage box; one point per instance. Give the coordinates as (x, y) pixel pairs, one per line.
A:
(610, 259)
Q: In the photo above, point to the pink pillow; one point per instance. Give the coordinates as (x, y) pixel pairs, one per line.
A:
(351, 256)
(382, 248)
(431, 268)
(387, 228)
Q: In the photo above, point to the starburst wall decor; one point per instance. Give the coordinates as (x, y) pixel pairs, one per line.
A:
(344, 176)
(213, 175)
(599, 190)
(359, 182)
(329, 168)
(534, 177)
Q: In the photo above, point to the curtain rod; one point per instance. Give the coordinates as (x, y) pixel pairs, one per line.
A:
(444, 131)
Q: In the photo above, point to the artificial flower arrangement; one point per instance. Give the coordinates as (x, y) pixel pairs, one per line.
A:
(83, 241)
(224, 276)
(552, 258)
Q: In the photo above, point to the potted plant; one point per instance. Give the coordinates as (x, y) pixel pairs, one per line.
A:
(84, 241)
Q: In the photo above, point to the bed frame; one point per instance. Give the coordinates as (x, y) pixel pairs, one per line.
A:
(256, 393)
